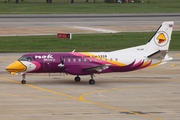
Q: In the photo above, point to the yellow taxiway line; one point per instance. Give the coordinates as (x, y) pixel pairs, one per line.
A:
(81, 98)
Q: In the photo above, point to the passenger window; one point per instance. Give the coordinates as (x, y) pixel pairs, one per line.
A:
(79, 59)
(74, 59)
(69, 60)
(85, 60)
(116, 59)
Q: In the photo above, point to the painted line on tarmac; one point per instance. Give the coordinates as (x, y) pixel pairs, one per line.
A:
(174, 65)
(42, 89)
(96, 29)
(177, 54)
(82, 99)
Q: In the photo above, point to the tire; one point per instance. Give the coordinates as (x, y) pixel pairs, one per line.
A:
(91, 81)
(23, 82)
(77, 79)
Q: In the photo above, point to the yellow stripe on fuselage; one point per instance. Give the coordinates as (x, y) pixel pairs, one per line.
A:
(103, 59)
(145, 63)
(155, 64)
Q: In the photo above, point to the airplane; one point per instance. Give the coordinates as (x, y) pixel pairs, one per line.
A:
(153, 53)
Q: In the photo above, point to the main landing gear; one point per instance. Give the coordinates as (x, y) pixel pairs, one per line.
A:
(77, 78)
(23, 81)
(91, 81)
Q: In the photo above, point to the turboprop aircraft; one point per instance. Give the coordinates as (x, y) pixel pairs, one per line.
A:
(154, 53)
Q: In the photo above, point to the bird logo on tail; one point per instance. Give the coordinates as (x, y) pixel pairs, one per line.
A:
(161, 39)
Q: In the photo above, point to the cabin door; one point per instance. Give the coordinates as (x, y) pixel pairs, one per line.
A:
(46, 65)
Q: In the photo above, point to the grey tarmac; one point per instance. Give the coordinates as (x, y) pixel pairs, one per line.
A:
(18, 25)
(147, 94)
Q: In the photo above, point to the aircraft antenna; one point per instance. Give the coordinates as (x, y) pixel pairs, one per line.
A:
(73, 51)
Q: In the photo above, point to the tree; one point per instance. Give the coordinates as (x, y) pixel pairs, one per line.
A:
(48, 1)
(72, 1)
(17, 1)
(88, 1)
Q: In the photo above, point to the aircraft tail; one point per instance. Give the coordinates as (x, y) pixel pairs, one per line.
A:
(158, 45)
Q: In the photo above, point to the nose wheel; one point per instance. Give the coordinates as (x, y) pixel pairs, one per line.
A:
(23, 81)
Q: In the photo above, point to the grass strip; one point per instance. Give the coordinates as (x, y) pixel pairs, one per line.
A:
(81, 7)
(80, 42)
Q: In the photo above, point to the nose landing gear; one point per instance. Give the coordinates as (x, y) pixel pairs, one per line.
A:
(23, 81)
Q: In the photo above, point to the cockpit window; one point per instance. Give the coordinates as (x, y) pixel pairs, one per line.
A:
(25, 58)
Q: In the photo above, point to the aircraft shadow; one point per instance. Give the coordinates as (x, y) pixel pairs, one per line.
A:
(131, 80)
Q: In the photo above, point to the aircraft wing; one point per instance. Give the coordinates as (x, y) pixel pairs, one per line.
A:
(98, 68)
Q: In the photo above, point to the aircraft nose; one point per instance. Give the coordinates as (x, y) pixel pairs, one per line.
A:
(16, 67)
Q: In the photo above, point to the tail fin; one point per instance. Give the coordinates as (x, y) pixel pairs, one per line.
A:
(160, 40)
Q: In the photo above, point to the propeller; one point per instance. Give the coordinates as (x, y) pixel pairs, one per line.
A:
(61, 65)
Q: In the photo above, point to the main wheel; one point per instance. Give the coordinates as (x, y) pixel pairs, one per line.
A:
(77, 79)
(92, 81)
(23, 81)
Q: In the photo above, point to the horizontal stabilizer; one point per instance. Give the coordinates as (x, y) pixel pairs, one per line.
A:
(158, 55)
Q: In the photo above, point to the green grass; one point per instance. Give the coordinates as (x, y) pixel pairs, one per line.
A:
(80, 42)
(80, 7)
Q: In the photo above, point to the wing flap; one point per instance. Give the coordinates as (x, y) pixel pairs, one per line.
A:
(97, 68)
